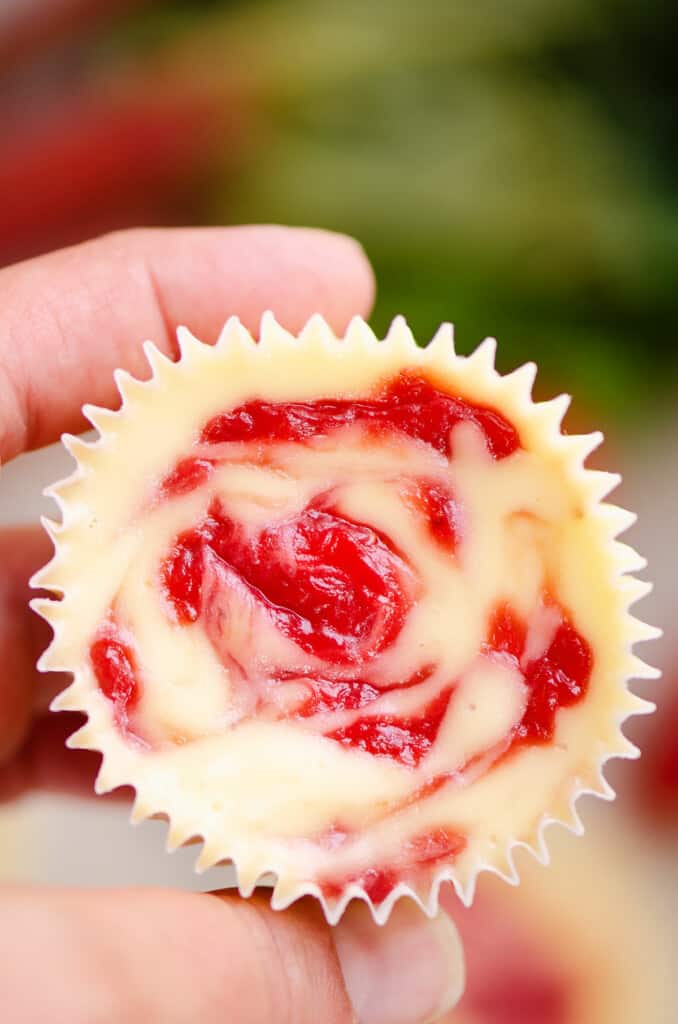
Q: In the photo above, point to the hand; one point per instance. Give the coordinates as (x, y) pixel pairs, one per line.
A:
(66, 322)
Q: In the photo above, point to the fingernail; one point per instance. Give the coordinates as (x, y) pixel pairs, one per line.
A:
(408, 971)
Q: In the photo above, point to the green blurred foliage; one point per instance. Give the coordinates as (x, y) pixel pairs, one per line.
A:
(507, 166)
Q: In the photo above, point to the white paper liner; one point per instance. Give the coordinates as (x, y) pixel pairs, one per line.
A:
(275, 351)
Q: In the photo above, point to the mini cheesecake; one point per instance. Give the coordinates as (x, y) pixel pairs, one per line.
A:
(352, 612)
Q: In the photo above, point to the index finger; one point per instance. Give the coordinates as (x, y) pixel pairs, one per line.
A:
(69, 319)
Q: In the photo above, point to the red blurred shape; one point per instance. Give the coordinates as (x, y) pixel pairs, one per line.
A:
(512, 975)
(89, 164)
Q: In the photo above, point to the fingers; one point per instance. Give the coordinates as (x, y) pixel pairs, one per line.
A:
(410, 971)
(153, 955)
(67, 320)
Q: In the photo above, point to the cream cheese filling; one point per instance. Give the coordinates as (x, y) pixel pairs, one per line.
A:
(274, 781)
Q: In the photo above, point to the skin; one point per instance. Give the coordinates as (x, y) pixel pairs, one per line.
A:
(67, 320)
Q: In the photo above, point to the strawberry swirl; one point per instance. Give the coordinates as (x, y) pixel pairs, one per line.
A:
(363, 571)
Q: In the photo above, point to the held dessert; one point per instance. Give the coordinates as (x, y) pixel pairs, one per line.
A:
(349, 611)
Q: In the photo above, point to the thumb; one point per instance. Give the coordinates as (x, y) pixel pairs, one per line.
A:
(408, 971)
(170, 956)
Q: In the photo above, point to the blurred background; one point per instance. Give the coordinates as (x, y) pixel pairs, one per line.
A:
(510, 167)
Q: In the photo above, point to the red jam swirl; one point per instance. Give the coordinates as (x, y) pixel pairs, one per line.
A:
(332, 586)
(439, 509)
(187, 475)
(406, 740)
(339, 589)
(114, 666)
(558, 678)
(417, 853)
(326, 694)
(410, 405)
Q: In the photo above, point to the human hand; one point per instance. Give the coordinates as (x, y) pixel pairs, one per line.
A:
(66, 322)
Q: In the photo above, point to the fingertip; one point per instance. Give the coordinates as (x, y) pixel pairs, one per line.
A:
(408, 971)
(301, 271)
(165, 955)
(87, 309)
(349, 263)
(299, 970)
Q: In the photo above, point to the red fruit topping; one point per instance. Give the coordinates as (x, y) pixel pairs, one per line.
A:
(378, 883)
(181, 576)
(406, 740)
(332, 586)
(187, 475)
(558, 679)
(345, 585)
(437, 504)
(336, 695)
(114, 666)
(338, 588)
(440, 844)
(410, 405)
(430, 847)
(507, 632)
(346, 694)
